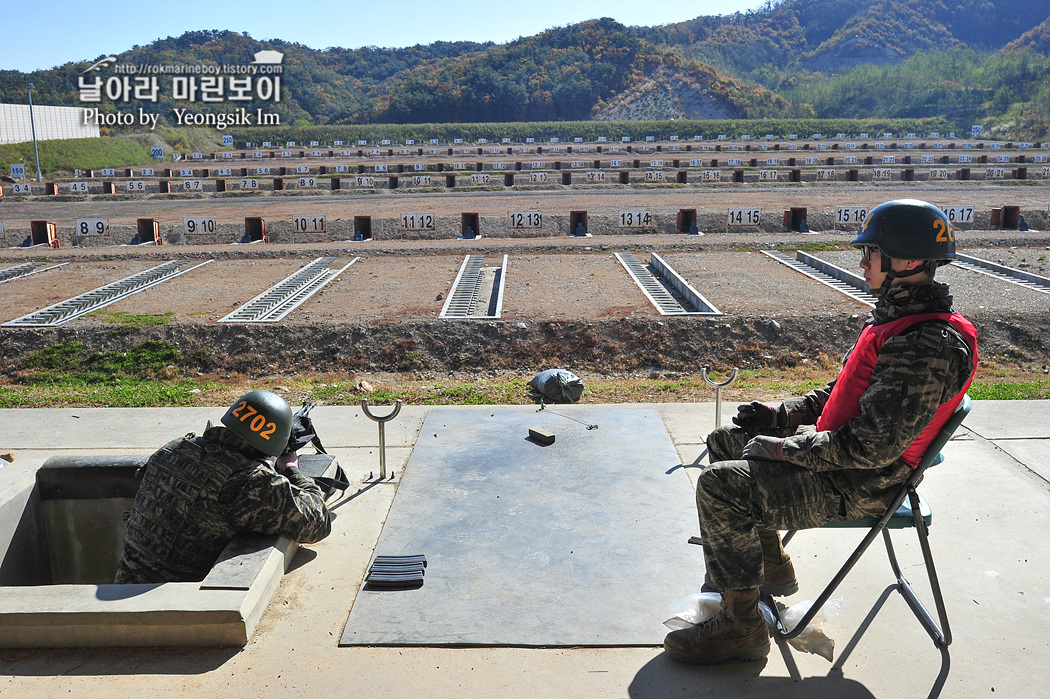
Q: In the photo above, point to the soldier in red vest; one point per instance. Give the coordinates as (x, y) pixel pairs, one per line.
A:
(838, 452)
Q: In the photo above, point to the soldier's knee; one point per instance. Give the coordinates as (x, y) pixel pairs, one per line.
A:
(725, 481)
(718, 443)
(726, 443)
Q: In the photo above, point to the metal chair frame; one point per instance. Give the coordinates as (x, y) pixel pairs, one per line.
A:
(915, 514)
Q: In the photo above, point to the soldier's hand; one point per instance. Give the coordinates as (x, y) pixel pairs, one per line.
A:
(286, 460)
(756, 417)
(764, 449)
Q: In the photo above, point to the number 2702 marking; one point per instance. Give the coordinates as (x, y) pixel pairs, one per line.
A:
(257, 423)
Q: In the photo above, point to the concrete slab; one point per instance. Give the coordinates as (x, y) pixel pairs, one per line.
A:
(136, 428)
(222, 610)
(169, 614)
(567, 544)
(689, 423)
(349, 427)
(1030, 452)
(358, 462)
(1010, 419)
(117, 428)
(988, 513)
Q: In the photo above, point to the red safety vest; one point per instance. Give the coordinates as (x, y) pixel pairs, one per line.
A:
(855, 378)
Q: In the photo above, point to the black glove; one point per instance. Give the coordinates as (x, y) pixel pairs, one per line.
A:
(757, 417)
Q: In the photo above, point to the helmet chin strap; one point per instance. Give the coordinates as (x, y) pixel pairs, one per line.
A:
(891, 274)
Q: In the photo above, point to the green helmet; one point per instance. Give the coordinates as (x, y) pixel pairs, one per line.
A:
(263, 419)
(908, 229)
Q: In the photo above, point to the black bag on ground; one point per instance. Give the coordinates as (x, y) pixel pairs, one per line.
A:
(557, 386)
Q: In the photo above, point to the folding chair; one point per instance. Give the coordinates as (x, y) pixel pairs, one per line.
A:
(915, 513)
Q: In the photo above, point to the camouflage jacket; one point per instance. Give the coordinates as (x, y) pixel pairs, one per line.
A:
(197, 493)
(917, 371)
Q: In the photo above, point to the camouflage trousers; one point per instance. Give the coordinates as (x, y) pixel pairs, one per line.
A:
(735, 498)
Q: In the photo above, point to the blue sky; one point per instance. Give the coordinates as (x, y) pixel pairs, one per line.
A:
(40, 35)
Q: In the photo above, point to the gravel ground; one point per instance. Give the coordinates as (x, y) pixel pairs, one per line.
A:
(567, 300)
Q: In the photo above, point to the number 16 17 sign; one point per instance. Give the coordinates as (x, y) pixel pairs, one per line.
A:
(744, 217)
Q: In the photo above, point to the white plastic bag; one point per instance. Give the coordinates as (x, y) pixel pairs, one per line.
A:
(693, 609)
(794, 613)
(812, 639)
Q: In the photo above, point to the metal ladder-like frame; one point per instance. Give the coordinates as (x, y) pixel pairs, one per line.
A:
(284, 297)
(656, 290)
(465, 289)
(1009, 274)
(25, 270)
(462, 300)
(77, 306)
(19, 271)
(827, 274)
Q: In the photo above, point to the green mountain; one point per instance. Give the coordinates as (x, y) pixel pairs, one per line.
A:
(961, 60)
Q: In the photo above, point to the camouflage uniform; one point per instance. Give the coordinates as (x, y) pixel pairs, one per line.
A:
(842, 474)
(197, 493)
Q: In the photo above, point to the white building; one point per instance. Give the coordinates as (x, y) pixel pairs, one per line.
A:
(52, 123)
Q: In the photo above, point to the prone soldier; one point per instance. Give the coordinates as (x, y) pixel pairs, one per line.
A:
(197, 493)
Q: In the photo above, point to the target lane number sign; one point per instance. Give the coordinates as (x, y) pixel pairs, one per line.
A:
(959, 214)
(92, 226)
(744, 217)
(851, 214)
(308, 224)
(417, 222)
(637, 218)
(525, 219)
(198, 226)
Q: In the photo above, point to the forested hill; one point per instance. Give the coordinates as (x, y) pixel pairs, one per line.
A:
(833, 35)
(959, 59)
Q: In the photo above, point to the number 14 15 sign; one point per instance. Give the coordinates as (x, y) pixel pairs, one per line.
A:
(744, 217)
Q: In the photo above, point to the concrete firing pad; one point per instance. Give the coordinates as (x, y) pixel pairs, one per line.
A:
(579, 543)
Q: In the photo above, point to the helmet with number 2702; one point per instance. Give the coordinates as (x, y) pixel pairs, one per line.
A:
(263, 419)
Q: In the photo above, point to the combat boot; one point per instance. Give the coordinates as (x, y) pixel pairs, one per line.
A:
(778, 578)
(778, 574)
(736, 632)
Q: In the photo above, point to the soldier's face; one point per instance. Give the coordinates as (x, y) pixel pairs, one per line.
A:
(874, 277)
(871, 264)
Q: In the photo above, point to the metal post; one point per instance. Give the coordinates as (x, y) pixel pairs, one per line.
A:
(381, 419)
(718, 392)
(32, 127)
